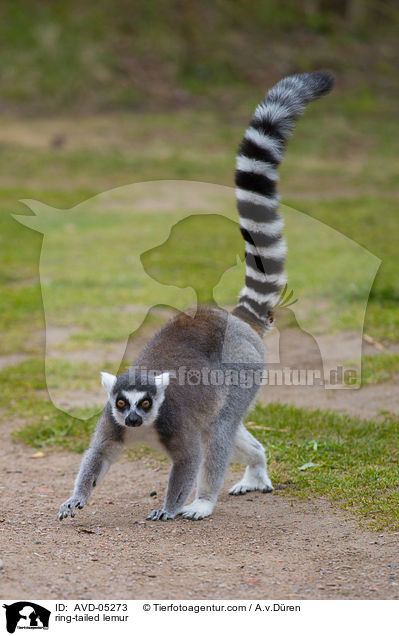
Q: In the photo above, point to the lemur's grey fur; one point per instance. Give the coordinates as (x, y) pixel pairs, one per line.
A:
(200, 424)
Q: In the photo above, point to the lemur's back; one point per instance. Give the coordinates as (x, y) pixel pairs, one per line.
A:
(187, 339)
(208, 336)
(192, 348)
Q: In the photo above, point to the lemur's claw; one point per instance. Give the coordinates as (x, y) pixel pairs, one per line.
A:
(159, 515)
(69, 507)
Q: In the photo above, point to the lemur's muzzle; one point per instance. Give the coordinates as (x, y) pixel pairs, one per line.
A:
(133, 420)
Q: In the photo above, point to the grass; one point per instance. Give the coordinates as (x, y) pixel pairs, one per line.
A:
(379, 368)
(24, 397)
(352, 462)
(141, 451)
(50, 428)
(81, 57)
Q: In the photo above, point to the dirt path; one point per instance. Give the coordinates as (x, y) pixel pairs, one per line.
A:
(256, 546)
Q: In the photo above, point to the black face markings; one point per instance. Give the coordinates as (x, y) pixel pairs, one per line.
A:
(145, 403)
(133, 379)
(121, 403)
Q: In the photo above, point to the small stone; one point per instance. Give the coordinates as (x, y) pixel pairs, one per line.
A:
(251, 581)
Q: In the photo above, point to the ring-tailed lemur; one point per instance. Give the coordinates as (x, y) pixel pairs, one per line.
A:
(200, 424)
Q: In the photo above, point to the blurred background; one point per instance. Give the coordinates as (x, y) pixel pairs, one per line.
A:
(169, 54)
(95, 97)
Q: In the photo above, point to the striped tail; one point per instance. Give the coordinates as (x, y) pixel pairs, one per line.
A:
(259, 155)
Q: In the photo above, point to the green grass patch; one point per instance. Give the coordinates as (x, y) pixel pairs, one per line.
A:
(28, 377)
(72, 376)
(352, 462)
(379, 368)
(52, 428)
(24, 396)
(93, 57)
(141, 451)
(382, 320)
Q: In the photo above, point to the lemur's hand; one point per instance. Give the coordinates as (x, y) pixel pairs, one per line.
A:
(159, 515)
(76, 501)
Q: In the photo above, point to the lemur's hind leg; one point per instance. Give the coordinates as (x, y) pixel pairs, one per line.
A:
(249, 451)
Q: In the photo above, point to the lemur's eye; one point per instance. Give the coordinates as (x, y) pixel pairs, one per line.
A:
(145, 404)
(121, 404)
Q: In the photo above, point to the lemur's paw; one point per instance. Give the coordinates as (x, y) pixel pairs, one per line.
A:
(198, 509)
(247, 485)
(159, 515)
(69, 506)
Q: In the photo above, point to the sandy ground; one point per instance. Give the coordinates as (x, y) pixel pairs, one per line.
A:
(255, 546)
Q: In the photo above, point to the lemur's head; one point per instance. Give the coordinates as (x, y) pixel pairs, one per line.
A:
(135, 398)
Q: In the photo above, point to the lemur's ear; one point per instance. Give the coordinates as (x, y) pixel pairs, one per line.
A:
(162, 380)
(108, 381)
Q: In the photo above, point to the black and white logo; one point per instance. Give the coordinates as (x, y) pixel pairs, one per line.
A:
(26, 615)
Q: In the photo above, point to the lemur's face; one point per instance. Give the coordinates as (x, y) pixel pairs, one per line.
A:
(134, 402)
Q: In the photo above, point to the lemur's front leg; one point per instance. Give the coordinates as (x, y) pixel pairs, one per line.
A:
(186, 463)
(105, 447)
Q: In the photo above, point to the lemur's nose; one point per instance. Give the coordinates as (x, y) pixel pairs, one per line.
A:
(133, 420)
